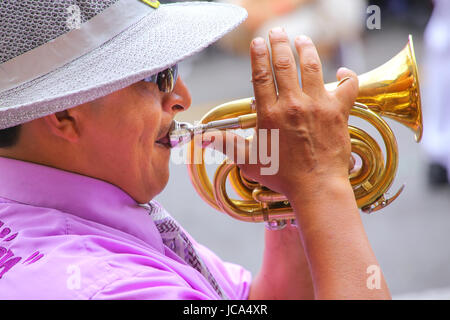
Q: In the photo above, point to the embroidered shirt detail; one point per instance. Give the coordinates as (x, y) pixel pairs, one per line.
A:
(7, 258)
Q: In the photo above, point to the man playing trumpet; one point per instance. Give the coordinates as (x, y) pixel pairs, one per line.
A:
(83, 155)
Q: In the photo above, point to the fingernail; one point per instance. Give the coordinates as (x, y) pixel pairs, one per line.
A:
(343, 80)
(278, 31)
(258, 42)
(302, 39)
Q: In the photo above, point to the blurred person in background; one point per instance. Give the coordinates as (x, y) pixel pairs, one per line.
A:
(436, 140)
(335, 26)
(413, 13)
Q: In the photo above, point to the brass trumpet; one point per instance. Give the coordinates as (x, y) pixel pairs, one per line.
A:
(391, 90)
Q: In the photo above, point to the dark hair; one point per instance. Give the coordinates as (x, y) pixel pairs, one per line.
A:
(9, 136)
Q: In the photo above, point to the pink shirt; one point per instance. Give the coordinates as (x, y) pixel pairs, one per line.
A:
(68, 236)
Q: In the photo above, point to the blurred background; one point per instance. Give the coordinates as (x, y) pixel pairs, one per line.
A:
(411, 237)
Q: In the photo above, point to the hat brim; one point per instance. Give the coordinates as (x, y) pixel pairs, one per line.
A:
(161, 39)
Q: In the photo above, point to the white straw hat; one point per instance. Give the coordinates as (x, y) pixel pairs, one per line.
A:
(55, 55)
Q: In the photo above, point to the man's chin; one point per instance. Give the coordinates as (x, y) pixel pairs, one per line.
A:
(163, 186)
(159, 182)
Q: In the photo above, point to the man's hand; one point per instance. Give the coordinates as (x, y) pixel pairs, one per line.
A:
(314, 144)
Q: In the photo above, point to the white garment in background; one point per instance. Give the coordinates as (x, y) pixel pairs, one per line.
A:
(436, 85)
(324, 21)
(329, 23)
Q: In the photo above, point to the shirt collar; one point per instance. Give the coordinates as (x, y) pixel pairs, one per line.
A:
(83, 196)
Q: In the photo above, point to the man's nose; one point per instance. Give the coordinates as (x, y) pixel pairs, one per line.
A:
(179, 99)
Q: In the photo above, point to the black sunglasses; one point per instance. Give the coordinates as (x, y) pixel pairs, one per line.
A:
(165, 79)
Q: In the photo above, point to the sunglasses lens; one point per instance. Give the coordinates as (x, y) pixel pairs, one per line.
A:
(166, 79)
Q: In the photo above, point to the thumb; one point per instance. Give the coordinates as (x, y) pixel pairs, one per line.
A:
(348, 88)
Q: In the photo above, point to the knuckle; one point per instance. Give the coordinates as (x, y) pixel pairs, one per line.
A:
(262, 76)
(317, 112)
(260, 54)
(293, 113)
(279, 40)
(282, 64)
(311, 67)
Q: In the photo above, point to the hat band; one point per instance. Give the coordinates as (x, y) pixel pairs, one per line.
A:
(73, 44)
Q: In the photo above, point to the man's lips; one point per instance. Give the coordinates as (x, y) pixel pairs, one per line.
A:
(164, 136)
(164, 142)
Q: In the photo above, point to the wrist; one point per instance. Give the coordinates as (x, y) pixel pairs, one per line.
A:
(318, 189)
(324, 200)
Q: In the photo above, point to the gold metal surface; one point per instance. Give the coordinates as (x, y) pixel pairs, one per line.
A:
(391, 90)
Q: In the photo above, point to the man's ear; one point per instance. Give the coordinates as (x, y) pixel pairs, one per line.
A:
(64, 124)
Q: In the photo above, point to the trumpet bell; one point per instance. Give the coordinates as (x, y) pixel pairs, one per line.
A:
(392, 90)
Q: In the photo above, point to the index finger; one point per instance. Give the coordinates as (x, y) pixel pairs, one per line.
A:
(262, 77)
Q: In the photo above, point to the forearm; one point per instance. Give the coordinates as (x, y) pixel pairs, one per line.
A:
(335, 242)
(285, 272)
